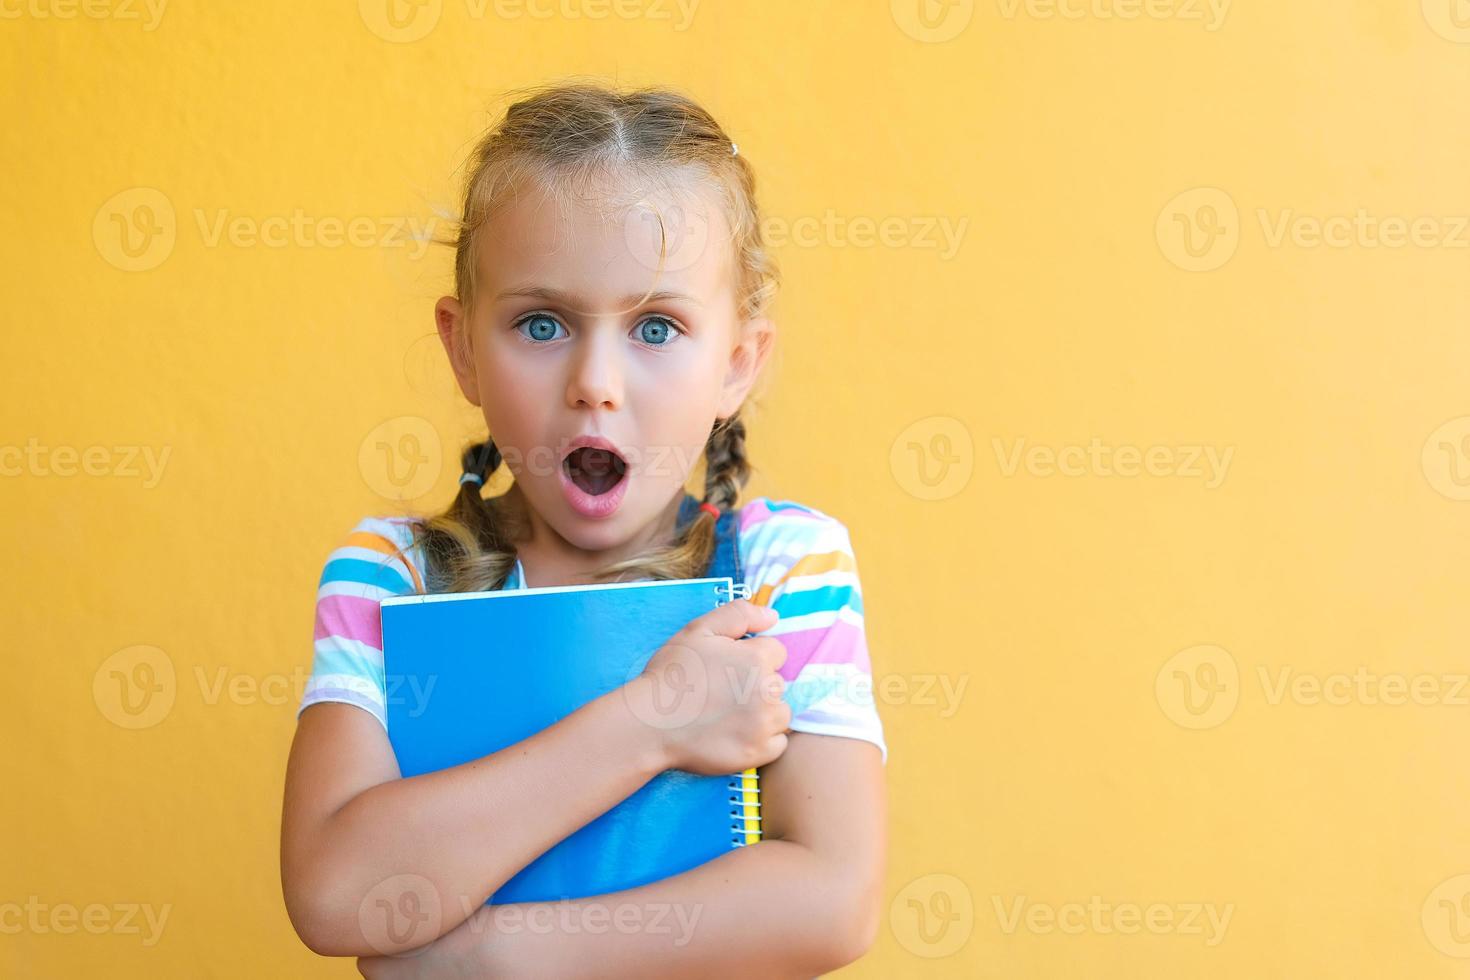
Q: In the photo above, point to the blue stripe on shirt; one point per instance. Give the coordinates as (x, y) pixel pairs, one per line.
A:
(827, 599)
(363, 572)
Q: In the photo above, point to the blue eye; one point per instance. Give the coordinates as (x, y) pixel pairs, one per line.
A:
(543, 327)
(656, 331)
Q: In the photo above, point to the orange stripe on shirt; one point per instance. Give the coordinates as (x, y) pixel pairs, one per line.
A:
(367, 539)
(827, 561)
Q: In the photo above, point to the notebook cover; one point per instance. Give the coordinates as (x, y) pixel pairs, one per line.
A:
(538, 655)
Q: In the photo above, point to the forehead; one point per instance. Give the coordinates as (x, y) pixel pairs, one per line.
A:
(617, 238)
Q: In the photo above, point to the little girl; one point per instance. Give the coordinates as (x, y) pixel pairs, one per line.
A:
(609, 321)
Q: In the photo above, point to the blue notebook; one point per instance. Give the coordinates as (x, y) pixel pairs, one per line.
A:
(504, 665)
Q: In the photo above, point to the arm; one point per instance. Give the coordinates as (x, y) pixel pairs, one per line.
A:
(806, 900)
(354, 834)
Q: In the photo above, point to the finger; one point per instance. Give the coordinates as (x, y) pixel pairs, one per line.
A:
(735, 619)
(767, 652)
(764, 652)
(772, 651)
(775, 747)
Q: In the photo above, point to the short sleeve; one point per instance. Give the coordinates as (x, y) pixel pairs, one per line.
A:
(373, 562)
(800, 562)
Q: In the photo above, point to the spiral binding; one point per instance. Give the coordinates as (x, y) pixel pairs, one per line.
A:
(745, 809)
(744, 787)
(735, 590)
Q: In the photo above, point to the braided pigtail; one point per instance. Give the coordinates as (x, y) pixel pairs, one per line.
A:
(725, 472)
(470, 547)
(726, 468)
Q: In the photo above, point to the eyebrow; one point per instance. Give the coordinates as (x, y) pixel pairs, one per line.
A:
(557, 296)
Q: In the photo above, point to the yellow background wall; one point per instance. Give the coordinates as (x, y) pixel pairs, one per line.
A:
(1241, 689)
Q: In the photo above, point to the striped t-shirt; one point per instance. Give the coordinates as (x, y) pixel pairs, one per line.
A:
(796, 559)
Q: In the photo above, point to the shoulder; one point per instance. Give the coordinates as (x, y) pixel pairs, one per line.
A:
(372, 561)
(782, 541)
(765, 520)
(799, 561)
(376, 558)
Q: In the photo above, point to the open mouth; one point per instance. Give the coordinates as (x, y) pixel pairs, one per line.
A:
(594, 471)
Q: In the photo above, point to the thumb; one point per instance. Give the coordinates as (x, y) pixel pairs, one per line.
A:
(735, 619)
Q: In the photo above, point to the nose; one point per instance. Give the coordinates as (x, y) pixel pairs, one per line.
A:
(596, 372)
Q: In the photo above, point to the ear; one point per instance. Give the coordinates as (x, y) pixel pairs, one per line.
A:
(454, 335)
(757, 340)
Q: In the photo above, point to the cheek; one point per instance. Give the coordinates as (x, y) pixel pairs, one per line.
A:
(677, 416)
(495, 367)
(515, 404)
(686, 393)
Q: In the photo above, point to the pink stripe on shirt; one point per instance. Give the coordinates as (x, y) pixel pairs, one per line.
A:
(351, 618)
(840, 643)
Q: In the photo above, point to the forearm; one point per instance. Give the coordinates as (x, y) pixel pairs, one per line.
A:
(774, 910)
(463, 832)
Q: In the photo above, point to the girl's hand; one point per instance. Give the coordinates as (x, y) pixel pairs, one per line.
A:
(716, 696)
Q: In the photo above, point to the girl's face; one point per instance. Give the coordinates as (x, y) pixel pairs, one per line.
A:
(562, 345)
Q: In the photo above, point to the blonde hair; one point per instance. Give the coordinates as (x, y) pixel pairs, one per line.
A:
(564, 137)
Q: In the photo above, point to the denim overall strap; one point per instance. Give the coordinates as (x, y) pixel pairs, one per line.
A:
(726, 560)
